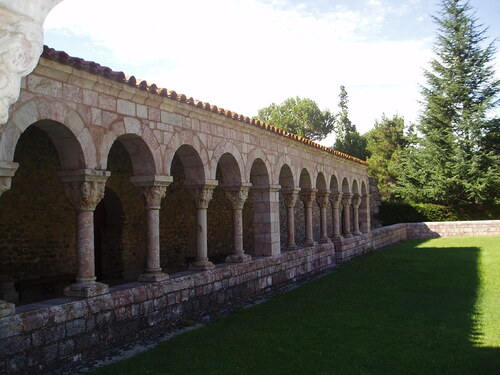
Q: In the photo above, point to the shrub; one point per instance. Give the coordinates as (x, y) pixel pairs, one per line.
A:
(397, 212)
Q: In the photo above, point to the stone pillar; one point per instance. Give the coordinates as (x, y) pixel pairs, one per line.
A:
(266, 220)
(356, 201)
(85, 189)
(365, 213)
(290, 197)
(307, 197)
(322, 200)
(237, 196)
(346, 203)
(153, 189)
(7, 171)
(335, 200)
(21, 44)
(202, 195)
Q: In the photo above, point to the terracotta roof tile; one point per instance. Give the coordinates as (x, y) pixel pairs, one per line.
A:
(94, 68)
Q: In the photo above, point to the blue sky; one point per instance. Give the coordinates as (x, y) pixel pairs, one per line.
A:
(243, 55)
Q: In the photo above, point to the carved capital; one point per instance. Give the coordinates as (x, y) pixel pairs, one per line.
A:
(335, 199)
(290, 196)
(237, 196)
(21, 43)
(7, 171)
(307, 196)
(153, 189)
(202, 195)
(356, 200)
(85, 187)
(346, 200)
(322, 199)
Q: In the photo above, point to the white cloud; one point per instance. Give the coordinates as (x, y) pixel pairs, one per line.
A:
(243, 55)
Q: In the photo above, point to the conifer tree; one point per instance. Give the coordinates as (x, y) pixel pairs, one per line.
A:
(455, 158)
(348, 139)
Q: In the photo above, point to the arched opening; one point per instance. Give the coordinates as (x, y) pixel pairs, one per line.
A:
(300, 210)
(261, 199)
(178, 211)
(287, 186)
(124, 240)
(321, 188)
(37, 221)
(220, 212)
(334, 227)
(346, 214)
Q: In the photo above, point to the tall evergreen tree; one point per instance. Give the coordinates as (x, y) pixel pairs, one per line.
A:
(456, 158)
(385, 145)
(348, 139)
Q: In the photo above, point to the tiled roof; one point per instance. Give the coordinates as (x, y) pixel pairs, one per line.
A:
(94, 68)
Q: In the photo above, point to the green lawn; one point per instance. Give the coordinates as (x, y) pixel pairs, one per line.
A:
(421, 307)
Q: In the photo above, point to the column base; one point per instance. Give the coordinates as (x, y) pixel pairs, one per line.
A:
(86, 290)
(324, 240)
(347, 235)
(7, 309)
(238, 258)
(152, 277)
(291, 247)
(357, 233)
(202, 264)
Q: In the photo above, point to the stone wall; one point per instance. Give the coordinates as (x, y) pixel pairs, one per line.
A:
(49, 334)
(454, 229)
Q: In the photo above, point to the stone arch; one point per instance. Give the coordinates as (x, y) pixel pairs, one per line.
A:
(63, 125)
(229, 149)
(286, 177)
(355, 188)
(259, 175)
(188, 138)
(334, 184)
(363, 188)
(192, 164)
(321, 182)
(146, 162)
(143, 162)
(345, 186)
(230, 170)
(257, 155)
(305, 179)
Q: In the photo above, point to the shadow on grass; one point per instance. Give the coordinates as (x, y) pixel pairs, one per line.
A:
(410, 309)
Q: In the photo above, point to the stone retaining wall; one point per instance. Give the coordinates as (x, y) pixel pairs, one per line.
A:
(51, 333)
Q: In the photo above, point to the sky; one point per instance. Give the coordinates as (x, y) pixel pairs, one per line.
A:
(243, 55)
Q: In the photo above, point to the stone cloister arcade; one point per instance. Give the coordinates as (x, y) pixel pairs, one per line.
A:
(83, 142)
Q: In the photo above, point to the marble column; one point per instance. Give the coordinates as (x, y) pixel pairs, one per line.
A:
(335, 200)
(85, 189)
(307, 196)
(202, 195)
(356, 201)
(322, 200)
(346, 203)
(7, 171)
(290, 198)
(237, 196)
(153, 189)
(21, 44)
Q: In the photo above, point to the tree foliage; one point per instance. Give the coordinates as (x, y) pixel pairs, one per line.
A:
(348, 139)
(385, 145)
(301, 116)
(455, 157)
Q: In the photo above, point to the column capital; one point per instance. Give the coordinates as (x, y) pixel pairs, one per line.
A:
(84, 187)
(307, 195)
(237, 195)
(21, 38)
(346, 199)
(335, 199)
(202, 194)
(271, 188)
(290, 196)
(153, 189)
(322, 198)
(7, 171)
(356, 200)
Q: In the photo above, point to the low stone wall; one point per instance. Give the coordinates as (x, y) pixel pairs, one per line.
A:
(49, 334)
(454, 229)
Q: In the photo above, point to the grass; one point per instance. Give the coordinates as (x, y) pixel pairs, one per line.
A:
(420, 307)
